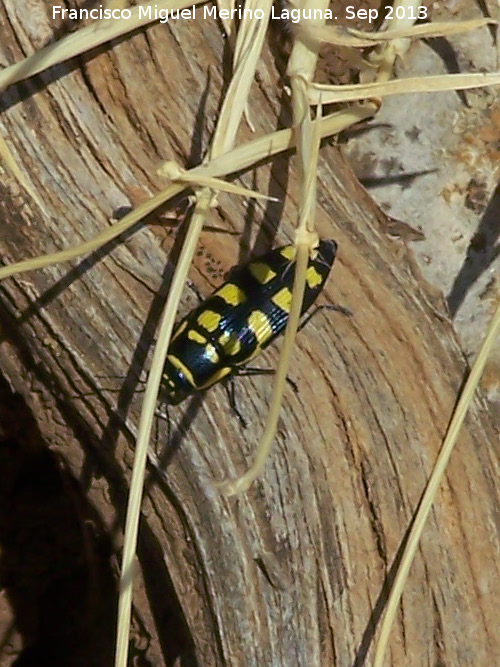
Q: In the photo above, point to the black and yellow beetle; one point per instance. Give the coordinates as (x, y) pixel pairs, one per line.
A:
(240, 319)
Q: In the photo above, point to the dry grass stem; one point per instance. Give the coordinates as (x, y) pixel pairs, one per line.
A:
(424, 30)
(84, 40)
(204, 200)
(249, 42)
(172, 171)
(301, 68)
(431, 489)
(221, 161)
(241, 484)
(358, 39)
(12, 167)
(228, 24)
(424, 84)
(238, 159)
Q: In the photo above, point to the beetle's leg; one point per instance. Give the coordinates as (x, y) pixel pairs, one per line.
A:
(231, 394)
(193, 288)
(339, 309)
(162, 411)
(250, 370)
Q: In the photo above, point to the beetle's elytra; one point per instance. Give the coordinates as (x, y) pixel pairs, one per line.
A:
(241, 318)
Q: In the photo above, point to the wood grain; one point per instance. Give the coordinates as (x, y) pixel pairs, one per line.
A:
(296, 571)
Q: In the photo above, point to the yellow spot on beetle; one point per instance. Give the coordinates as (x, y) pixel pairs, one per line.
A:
(288, 252)
(179, 330)
(230, 343)
(221, 373)
(211, 353)
(177, 363)
(168, 380)
(283, 299)
(224, 338)
(260, 326)
(196, 336)
(313, 278)
(209, 320)
(261, 272)
(231, 294)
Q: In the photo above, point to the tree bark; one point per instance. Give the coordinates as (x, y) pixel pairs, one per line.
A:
(296, 571)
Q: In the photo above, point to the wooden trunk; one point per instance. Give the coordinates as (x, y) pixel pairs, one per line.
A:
(296, 571)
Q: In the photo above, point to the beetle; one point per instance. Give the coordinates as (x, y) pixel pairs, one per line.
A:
(240, 319)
